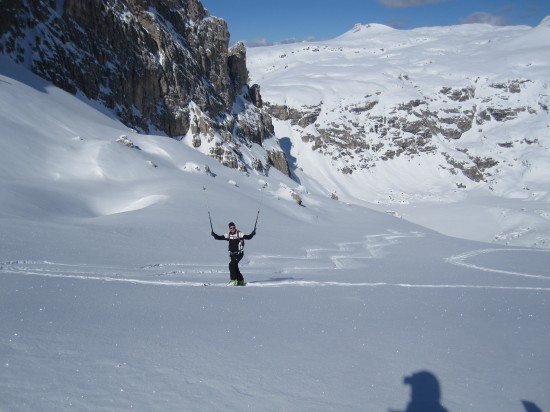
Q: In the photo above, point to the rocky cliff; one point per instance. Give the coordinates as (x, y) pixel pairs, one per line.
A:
(469, 103)
(160, 65)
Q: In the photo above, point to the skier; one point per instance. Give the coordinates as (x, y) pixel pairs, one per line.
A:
(236, 252)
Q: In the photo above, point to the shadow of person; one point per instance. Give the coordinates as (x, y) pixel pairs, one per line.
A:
(531, 407)
(425, 393)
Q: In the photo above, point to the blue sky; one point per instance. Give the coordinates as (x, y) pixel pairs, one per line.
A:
(275, 21)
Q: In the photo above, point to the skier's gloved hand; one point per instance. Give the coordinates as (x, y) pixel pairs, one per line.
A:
(213, 234)
(253, 233)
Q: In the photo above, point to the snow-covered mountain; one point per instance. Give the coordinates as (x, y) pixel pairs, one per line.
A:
(432, 115)
(454, 119)
(106, 249)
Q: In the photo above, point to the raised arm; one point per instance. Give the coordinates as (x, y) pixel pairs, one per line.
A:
(218, 237)
(250, 236)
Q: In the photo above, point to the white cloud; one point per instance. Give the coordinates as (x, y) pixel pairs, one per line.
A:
(483, 17)
(260, 42)
(408, 3)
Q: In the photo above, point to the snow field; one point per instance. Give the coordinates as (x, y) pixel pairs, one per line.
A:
(104, 257)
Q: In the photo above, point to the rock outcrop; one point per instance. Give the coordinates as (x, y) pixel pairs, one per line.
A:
(361, 137)
(160, 65)
(467, 103)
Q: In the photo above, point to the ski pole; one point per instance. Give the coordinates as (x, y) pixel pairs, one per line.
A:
(259, 207)
(256, 223)
(207, 208)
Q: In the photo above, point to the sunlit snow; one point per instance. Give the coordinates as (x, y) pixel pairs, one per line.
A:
(113, 294)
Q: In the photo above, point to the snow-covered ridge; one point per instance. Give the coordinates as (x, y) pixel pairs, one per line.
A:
(431, 114)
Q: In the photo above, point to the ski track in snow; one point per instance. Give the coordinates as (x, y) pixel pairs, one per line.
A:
(51, 272)
(459, 260)
(317, 259)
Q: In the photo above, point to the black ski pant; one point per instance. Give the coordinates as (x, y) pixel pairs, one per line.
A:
(234, 272)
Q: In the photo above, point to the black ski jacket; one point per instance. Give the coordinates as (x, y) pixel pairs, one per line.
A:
(236, 240)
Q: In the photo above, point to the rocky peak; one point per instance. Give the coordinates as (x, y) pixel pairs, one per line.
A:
(159, 64)
(238, 73)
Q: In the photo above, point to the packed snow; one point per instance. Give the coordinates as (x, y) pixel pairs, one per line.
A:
(113, 294)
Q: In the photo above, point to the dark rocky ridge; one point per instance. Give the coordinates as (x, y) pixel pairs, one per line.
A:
(159, 64)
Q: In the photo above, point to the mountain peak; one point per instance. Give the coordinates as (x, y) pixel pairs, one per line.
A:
(359, 30)
(402, 112)
(545, 22)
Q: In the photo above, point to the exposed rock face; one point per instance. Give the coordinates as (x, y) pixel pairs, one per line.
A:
(159, 64)
(360, 138)
(255, 96)
(302, 117)
(279, 161)
(236, 63)
(468, 103)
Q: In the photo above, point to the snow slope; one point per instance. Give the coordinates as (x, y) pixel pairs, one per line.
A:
(363, 77)
(105, 250)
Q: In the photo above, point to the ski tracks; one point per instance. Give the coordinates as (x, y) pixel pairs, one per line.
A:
(347, 255)
(461, 260)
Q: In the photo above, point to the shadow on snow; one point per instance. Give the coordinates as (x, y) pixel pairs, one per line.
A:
(426, 395)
